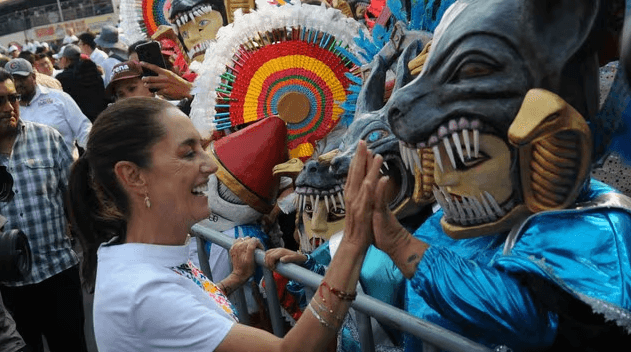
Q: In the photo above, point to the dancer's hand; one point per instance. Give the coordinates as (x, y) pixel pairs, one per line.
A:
(283, 255)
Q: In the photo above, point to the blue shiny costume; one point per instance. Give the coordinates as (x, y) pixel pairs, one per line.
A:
(379, 278)
(496, 294)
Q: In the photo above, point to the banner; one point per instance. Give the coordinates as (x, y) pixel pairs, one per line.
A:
(56, 31)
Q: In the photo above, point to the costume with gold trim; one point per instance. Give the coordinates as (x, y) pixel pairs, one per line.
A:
(475, 286)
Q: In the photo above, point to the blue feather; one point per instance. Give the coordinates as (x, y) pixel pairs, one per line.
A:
(417, 12)
(348, 55)
(353, 78)
(396, 7)
(354, 88)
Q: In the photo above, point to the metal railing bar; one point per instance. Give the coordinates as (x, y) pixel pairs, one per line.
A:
(203, 258)
(364, 329)
(273, 303)
(394, 317)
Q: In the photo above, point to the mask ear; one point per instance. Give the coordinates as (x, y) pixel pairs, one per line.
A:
(554, 146)
(560, 26)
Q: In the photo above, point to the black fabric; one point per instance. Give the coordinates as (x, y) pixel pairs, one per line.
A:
(53, 308)
(10, 339)
(83, 81)
(580, 328)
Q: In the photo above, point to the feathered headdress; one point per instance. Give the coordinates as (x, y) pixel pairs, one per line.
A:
(298, 62)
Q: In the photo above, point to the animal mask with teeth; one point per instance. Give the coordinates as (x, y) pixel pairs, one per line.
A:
(486, 55)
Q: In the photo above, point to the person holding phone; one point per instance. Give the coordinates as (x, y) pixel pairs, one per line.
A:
(127, 82)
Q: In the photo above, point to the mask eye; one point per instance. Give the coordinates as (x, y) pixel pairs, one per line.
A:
(376, 135)
(473, 70)
(185, 34)
(203, 23)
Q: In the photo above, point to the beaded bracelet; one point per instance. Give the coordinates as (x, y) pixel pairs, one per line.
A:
(345, 296)
(323, 308)
(322, 321)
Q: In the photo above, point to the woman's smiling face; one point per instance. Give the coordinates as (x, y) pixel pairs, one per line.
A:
(178, 175)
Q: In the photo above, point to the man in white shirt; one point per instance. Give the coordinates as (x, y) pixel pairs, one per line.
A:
(49, 106)
(88, 47)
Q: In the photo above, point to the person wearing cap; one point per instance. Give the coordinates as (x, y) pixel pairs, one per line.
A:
(81, 78)
(48, 300)
(42, 79)
(88, 47)
(108, 39)
(48, 106)
(14, 51)
(127, 82)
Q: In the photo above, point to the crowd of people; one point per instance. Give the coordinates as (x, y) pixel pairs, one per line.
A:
(110, 174)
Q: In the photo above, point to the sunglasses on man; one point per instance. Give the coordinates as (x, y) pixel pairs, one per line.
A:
(11, 98)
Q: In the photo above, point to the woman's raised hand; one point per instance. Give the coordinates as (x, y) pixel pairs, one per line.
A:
(359, 191)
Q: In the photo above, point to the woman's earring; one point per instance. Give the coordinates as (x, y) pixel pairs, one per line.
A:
(147, 201)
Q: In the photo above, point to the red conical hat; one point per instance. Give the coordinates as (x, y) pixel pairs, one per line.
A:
(246, 159)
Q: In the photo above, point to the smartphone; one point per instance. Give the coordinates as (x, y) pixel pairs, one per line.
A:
(152, 53)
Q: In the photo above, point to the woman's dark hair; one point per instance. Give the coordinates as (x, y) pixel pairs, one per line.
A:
(99, 206)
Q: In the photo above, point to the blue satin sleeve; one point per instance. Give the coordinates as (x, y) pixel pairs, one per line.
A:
(481, 302)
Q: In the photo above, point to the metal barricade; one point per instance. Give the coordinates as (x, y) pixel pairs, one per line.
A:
(434, 337)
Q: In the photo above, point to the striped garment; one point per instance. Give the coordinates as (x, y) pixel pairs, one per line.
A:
(40, 165)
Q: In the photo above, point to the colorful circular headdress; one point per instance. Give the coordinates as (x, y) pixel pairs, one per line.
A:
(140, 19)
(297, 62)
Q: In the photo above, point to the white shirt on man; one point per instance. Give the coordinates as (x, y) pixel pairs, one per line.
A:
(98, 56)
(57, 109)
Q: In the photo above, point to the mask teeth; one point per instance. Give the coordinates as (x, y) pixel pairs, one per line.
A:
(385, 164)
(312, 202)
(456, 139)
(333, 201)
(495, 205)
(402, 149)
(437, 157)
(468, 209)
(340, 195)
(417, 159)
(450, 152)
(488, 209)
(326, 202)
(452, 208)
(484, 216)
(462, 216)
(317, 202)
(467, 142)
(476, 142)
(475, 212)
(411, 161)
(297, 202)
(441, 200)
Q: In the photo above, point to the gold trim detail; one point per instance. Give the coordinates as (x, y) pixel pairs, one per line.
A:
(555, 145)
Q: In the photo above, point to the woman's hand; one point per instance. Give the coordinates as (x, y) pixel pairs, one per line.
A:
(361, 183)
(284, 255)
(167, 83)
(242, 257)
